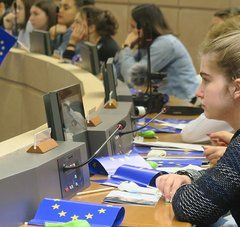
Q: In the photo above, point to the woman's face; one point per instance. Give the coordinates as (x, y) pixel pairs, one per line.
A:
(80, 23)
(20, 13)
(38, 18)
(133, 28)
(214, 91)
(67, 12)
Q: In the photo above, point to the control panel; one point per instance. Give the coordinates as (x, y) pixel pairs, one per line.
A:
(72, 180)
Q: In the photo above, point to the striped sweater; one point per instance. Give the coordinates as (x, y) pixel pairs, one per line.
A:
(213, 192)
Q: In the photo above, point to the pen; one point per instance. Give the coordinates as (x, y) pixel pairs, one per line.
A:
(95, 191)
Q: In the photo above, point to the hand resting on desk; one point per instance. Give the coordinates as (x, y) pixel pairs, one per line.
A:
(169, 183)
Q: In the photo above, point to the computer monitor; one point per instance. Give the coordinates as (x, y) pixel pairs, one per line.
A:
(40, 42)
(109, 79)
(89, 57)
(65, 114)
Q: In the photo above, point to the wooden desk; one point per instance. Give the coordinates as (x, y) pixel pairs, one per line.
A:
(142, 216)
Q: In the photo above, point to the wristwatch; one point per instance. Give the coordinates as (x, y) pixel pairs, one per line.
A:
(186, 173)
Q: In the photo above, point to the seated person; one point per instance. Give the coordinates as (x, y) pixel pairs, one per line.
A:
(198, 129)
(23, 23)
(60, 33)
(96, 26)
(201, 198)
(168, 54)
(5, 8)
(43, 15)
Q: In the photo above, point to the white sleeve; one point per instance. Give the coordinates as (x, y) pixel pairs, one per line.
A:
(197, 130)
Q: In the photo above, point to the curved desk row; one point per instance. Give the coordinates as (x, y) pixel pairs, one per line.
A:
(24, 79)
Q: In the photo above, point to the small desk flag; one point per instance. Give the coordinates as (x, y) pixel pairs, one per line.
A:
(7, 41)
(62, 211)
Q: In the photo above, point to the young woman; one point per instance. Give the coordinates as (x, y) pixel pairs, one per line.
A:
(203, 197)
(149, 28)
(43, 15)
(22, 17)
(60, 33)
(96, 26)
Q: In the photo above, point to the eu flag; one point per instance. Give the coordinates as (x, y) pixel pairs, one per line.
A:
(7, 41)
(62, 211)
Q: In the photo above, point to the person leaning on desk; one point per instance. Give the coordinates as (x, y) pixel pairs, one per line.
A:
(96, 26)
(61, 32)
(202, 197)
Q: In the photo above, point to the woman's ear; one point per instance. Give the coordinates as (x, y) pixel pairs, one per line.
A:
(236, 92)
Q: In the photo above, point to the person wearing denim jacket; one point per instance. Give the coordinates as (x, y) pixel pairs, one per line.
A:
(168, 54)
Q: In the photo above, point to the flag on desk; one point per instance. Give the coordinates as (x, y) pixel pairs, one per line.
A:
(7, 41)
(62, 211)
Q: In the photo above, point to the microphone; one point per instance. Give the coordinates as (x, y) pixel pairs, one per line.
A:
(138, 129)
(120, 126)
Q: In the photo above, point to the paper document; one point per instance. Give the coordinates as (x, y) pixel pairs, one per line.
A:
(170, 144)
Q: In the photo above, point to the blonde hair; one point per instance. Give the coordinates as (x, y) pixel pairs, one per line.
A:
(227, 26)
(226, 50)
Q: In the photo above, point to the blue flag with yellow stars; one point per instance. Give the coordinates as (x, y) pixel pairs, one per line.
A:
(62, 211)
(7, 41)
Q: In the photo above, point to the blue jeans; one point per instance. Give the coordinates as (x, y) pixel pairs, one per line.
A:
(225, 221)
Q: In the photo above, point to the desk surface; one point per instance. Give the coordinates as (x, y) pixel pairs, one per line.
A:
(141, 216)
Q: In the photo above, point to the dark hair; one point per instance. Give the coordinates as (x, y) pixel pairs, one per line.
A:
(7, 3)
(27, 6)
(105, 22)
(151, 20)
(80, 3)
(227, 13)
(50, 9)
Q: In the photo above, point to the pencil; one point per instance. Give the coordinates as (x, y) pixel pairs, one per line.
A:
(95, 191)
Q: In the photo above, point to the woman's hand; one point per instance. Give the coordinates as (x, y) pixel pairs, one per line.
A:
(169, 183)
(131, 39)
(221, 138)
(57, 29)
(79, 33)
(214, 153)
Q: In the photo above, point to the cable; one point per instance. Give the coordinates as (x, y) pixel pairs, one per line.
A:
(138, 129)
(120, 126)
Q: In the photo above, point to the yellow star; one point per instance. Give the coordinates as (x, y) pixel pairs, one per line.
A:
(55, 206)
(89, 216)
(74, 217)
(2, 42)
(62, 214)
(1, 53)
(3, 48)
(102, 211)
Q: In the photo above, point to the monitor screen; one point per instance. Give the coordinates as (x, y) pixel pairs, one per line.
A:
(89, 57)
(40, 42)
(65, 112)
(109, 80)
